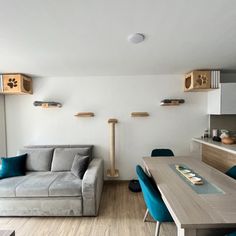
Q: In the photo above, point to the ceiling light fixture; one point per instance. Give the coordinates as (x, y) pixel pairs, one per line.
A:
(136, 38)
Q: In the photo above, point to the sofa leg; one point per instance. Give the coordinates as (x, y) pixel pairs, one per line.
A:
(145, 216)
(158, 224)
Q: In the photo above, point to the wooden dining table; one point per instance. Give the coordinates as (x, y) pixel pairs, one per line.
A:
(196, 209)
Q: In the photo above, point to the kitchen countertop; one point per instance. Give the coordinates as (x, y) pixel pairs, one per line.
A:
(208, 141)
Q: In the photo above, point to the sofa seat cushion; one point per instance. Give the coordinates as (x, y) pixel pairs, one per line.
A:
(8, 186)
(66, 184)
(36, 185)
(42, 184)
(38, 159)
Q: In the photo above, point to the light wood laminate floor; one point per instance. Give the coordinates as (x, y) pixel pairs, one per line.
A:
(121, 213)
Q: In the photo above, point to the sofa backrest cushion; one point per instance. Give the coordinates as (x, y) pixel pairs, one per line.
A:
(38, 159)
(54, 165)
(63, 157)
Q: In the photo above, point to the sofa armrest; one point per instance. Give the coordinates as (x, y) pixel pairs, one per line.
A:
(92, 185)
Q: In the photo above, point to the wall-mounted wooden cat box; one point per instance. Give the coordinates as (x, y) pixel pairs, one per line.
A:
(197, 81)
(15, 84)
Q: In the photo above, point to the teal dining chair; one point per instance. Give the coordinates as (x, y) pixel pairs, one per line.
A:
(162, 153)
(152, 197)
(231, 234)
(231, 172)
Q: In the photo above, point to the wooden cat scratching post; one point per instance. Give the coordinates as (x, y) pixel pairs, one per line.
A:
(113, 172)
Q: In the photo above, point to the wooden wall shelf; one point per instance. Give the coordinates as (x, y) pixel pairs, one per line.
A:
(172, 102)
(112, 120)
(139, 114)
(85, 114)
(47, 104)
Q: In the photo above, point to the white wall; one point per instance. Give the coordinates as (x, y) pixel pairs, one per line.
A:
(2, 127)
(171, 127)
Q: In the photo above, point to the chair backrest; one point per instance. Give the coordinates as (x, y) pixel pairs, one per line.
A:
(231, 234)
(231, 172)
(152, 197)
(162, 153)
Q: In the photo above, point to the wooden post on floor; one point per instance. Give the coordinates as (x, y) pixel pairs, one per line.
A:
(112, 172)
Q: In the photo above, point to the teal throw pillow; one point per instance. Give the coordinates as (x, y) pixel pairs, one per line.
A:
(13, 166)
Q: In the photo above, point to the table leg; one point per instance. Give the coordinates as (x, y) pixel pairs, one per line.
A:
(186, 232)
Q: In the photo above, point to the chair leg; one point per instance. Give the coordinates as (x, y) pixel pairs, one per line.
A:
(145, 216)
(157, 228)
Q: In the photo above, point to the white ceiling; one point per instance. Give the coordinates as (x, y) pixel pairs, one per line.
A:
(85, 37)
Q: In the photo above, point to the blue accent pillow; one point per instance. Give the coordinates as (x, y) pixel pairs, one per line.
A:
(13, 166)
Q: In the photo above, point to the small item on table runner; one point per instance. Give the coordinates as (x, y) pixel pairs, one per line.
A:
(189, 175)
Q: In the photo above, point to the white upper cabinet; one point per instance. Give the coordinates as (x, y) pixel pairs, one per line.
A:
(222, 100)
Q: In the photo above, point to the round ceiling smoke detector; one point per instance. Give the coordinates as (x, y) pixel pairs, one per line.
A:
(136, 38)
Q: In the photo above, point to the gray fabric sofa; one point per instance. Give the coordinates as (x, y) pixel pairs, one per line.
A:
(49, 188)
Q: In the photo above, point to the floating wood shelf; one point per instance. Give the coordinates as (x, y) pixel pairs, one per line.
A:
(139, 114)
(172, 102)
(85, 114)
(47, 104)
(112, 120)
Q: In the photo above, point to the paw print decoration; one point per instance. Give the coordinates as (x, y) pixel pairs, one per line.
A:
(12, 82)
